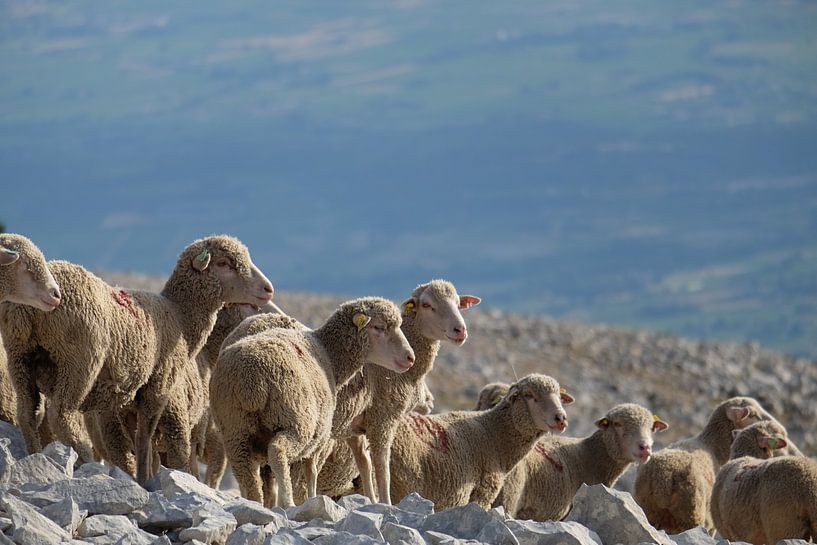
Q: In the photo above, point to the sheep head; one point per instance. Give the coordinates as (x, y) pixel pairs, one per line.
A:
(436, 306)
(377, 323)
(627, 431)
(224, 263)
(24, 275)
(539, 398)
(765, 439)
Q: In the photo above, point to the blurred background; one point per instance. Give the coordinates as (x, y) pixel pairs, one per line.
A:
(634, 163)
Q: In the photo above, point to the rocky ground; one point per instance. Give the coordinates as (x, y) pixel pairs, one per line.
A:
(44, 500)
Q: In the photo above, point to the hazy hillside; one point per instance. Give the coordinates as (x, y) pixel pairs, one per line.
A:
(634, 163)
(680, 379)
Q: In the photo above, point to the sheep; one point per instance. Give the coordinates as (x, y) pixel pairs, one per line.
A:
(232, 323)
(430, 315)
(761, 495)
(273, 393)
(107, 347)
(463, 456)
(26, 280)
(542, 485)
(490, 395)
(423, 401)
(673, 487)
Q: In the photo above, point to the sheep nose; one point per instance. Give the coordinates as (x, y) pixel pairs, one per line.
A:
(460, 333)
(269, 289)
(55, 293)
(560, 417)
(410, 357)
(644, 451)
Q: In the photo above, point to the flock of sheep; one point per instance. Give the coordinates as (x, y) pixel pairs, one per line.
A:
(211, 369)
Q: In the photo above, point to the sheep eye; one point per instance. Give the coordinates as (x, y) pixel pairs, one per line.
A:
(380, 327)
(426, 305)
(224, 262)
(618, 424)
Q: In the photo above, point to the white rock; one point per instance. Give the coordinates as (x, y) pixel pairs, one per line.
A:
(694, 536)
(345, 538)
(311, 533)
(614, 516)
(287, 536)
(246, 511)
(65, 513)
(362, 523)
(16, 444)
(529, 532)
(211, 525)
(7, 459)
(104, 529)
(463, 522)
(415, 503)
(321, 507)
(175, 482)
(97, 495)
(63, 456)
(395, 534)
(249, 534)
(30, 527)
(35, 469)
(438, 538)
(395, 514)
(496, 533)
(354, 501)
(160, 514)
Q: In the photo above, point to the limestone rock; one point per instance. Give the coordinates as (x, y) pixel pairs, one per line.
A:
(7, 459)
(463, 522)
(321, 507)
(29, 526)
(110, 529)
(210, 524)
(250, 534)
(63, 456)
(362, 524)
(415, 503)
(345, 538)
(614, 516)
(16, 444)
(246, 511)
(65, 513)
(694, 536)
(529, 532)
(35, 469)
(287, 536)
(395, 534)
(354, 501)
(174, 482)
(394, 514)
(98, 495)
(161, 514)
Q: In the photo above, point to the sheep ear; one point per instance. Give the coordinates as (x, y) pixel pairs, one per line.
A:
(603, 424)
(7, 257)
(658, 424)
(566, 398)
(408, 305)
(201, 261)
(495, 401)
(771, 443)
(361, 320)
(468, 301)
(736, 414)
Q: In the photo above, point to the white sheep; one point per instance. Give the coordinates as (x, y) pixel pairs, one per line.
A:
(674, 486)
(107, 347)
(273, 393)
(25, 280)
(463, 456)
(543, 484)
(430, 315)
(761, 498)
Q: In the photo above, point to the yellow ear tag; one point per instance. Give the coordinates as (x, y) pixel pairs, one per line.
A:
(407, 307)
(772, 442)
(562, 391)
(605, 422)
(496, 400)
(360, 321)
(514, 395)
(655, 417)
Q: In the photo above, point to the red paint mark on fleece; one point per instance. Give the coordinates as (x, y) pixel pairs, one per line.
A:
(540, 448)
(126, 300)
(425, 427)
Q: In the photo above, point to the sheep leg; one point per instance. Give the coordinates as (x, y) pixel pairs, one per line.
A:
(28, 398)
(269, 488)
(145, 428)
(68, 427)
(175, 427)
(98, 442)
(380, 439)
(311, 475)
(363, 463)
(278, 458)
(215, 458)
(118, 444)
(245, 467)
(487, 489)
